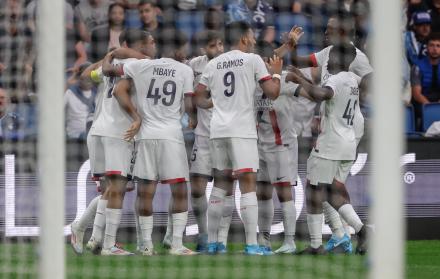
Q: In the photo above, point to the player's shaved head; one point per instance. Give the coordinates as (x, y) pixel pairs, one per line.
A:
(174, 44)
(235, 31)
(340, 57)
(133, 36)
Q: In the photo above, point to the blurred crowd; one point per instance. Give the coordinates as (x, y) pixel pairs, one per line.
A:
(93, 28)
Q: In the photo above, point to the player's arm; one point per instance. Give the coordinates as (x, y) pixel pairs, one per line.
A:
(122, 95)
(315, 92)
(190, 109)
(202, 97)
(364, 86)
(88, 73)
(121, 53)
(271, 87)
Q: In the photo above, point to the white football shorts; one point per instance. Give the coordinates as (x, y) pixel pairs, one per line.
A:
(237, 154)
(200, 160)
(320, 170)
(161, 160)
(96, 156)
(279, 168)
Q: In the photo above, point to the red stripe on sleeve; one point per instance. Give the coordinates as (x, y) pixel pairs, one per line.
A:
(313, 60)
(192, 94)
(265, 78)
(275, 128)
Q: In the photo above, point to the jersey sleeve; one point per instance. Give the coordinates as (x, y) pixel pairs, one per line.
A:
(188, 82)
(318, 58)
(261, 73)
(362, 66)
(129, 69)
(205, 79)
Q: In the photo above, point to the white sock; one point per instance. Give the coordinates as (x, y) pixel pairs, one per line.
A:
(146, 226)
(346, 226)
(249, 214)
(347, 212)
(200, 206)
(314, 223)
(139, 241)
(169, 231)
(215, 213)
(265, 218)
(289, 221)
(89, 214)
(179, 225)
(99, 223)
(333, 219)
(112, 220)
(225, 221)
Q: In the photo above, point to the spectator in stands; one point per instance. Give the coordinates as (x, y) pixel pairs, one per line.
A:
(16, 48)
(425, 76)
(213, 21)
(415, 40)
(107, 37)
(79, 102)
(435, 16)
(258, 13)
(17, 122)
(91, 15)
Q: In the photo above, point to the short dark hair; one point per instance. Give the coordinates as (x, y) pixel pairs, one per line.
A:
(265, 49)
(346, 53)
(132, 36)
(434, 36)
(346, 22)
(153, 3)
(235, 31)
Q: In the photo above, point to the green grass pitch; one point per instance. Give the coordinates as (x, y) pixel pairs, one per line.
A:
(20, 261)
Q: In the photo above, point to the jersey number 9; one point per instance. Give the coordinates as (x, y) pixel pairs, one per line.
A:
(229, 82)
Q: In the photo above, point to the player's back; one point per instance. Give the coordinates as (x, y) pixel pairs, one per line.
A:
(112, 121)
(336, 140)
(160, 86)
(232, 78)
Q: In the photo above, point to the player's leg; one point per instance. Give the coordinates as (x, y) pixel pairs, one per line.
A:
(168, 238)
(338, 199)
(319, 173)
(200, 174)
(145, 194)
(173, 170)
(225, 221)
(265, 203)
(265, 213)
(96, 156)
(223, 182)
(118, 155)
(282, 169)
(95, 242)
(244, 157)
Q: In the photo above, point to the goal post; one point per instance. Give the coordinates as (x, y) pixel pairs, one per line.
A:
(388, 242)
(51, 142)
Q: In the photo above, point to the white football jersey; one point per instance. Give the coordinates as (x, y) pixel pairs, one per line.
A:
(113, 121)
(276, 130)
(337, 140)
(360, 66)
(160, 88)
(232, 78)
(204, 116)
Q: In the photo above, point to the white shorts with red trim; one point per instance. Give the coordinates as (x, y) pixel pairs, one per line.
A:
(96, 156)
(320, 170)
(238, 154)
(119, 156)
(280, 167)
(200, 160)
(161, 160)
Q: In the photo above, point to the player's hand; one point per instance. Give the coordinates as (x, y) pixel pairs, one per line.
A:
(294, 35)
(276, 64)
(192, 124)
(293, 77)
(132, 130)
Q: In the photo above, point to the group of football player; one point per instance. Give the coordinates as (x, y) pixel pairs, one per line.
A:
(241, 104)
